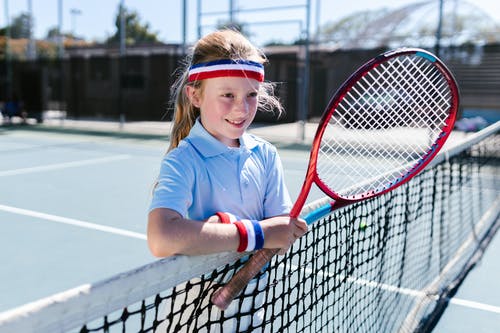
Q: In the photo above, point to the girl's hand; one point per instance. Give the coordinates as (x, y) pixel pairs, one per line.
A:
(280, 232)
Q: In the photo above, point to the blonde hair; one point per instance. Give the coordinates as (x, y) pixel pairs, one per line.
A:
(222, 44)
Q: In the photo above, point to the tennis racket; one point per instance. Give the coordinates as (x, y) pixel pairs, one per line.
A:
(380, 129)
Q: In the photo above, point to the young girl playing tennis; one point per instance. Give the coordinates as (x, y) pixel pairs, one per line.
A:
(214, 171)
(219, 188)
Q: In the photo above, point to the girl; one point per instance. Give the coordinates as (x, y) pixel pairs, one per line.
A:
(214, 171)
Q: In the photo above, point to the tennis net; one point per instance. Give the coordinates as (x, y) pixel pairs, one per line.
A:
(389, 264)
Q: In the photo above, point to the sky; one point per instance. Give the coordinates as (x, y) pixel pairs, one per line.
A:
(94, 19)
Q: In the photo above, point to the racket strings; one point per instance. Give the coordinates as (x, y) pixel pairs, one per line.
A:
(425, 80)
(387, 121)
(401, 75)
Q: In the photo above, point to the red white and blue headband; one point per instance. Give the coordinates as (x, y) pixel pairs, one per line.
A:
(225, 68)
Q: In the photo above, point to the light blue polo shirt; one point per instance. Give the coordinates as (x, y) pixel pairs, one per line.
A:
(202, 176)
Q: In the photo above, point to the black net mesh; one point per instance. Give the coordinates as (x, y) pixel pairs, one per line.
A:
(384, 265)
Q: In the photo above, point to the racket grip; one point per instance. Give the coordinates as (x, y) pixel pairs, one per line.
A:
(223, 296)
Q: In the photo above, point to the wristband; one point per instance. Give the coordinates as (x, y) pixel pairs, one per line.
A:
(255, 235)
(227, 218)
(251, 234)
(243, 236)
(250, 231)
(259, 235)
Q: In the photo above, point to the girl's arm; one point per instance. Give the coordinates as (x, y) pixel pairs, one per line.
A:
(170, 234)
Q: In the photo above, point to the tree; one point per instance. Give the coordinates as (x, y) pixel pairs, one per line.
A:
(19, 28)
(53, 33)
(135, 31)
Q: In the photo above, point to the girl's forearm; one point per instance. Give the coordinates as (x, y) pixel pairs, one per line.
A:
(169, 236)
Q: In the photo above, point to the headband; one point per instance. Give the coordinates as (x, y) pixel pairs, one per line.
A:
(225, 68)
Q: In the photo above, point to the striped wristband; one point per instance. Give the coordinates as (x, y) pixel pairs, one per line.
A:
(259, 235)
(227, 217)
(250, 231)
(255, 235)
(242, 230)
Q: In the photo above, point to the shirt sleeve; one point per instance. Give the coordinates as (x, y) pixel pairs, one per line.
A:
(277, 200)
(173, 189)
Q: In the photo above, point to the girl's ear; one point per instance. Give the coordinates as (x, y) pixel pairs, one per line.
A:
(194, 96)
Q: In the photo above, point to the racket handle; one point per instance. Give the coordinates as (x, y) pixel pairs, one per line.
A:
(225, 294)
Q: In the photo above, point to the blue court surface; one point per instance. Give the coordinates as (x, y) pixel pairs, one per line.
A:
(73, 211)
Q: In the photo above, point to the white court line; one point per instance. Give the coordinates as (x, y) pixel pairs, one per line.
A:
(418, 293)
(411, 292)
(69, 221)
(475, 305)
(63, 165)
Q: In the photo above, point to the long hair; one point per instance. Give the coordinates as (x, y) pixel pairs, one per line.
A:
(222, 44)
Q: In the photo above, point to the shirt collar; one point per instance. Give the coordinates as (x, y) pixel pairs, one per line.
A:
(209, 146)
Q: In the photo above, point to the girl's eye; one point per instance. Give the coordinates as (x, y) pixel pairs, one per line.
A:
(228, 95)
(253, 94)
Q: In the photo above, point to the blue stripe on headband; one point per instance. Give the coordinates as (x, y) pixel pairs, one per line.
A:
(227, 62)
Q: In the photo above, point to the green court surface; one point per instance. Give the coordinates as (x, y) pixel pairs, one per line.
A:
(73, 211)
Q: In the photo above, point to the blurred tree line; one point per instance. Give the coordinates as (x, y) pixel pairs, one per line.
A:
(363, 29)
(18, 31)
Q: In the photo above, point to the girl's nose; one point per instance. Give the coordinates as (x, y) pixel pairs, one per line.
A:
(242, 105)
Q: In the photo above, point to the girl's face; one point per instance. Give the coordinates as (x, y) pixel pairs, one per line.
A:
(227, 106)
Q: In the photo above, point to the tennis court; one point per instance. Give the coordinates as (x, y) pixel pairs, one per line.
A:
(58, 194)
(72, 212)
(73, 208)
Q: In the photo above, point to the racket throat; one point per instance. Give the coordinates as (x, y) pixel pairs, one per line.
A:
(339, 204)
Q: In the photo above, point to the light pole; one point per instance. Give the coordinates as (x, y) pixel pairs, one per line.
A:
(121, 62)
(74, 13)
(8, 56)
(60, 36)
(31, 50)
(437, 47)
(123, 28)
